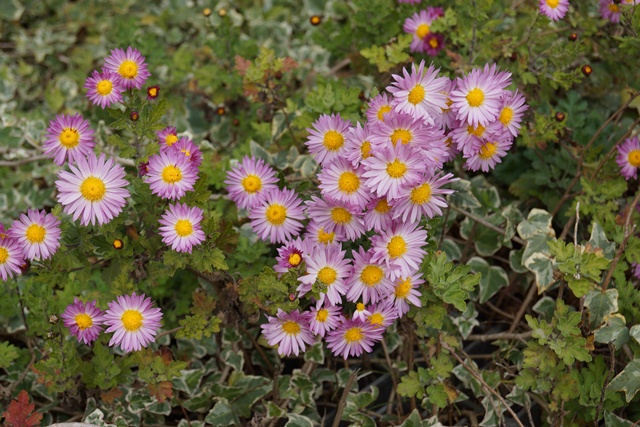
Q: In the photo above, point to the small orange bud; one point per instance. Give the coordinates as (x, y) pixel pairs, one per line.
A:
(222, 12)
(206, 11)
(221, 111)
(315, 20)
(587, 70)
(118, 244)
(560, 116)
(134, 116)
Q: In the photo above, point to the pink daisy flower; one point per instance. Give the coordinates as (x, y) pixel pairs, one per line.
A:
(95, 189)
(423, 198)
(329, 268)
(358, 145)
(181, 227)
(68, 138)
(379, 215)
(360, 313)
(369, 281)
(510, 117)
(490, 154)
(167, 137)
(399, 128)
(382, 314)
(342, 218)
(629, 158)
(130, 67)
(38, 233)
(11, 257)
(289, 331)
(421, 94)
(170, 175)
(327, 138)
(352, 337)
(400, 248)
(133, 320)
(379, 109)
(316, 235)
(419, 25)
(84, 321)
(391, 169)
(477, 100)
(249, 181)
(104, 89)
(610, 10)
(433, 43)
(188, 149)
(324, 318)
(278, 218)
(406, 292)
(554, 9)
(290, 255)
(469, 138)
(343, 182)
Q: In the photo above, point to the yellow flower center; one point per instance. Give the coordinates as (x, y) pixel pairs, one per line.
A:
(404, 135)
(475, 97)
(553, 3)
(477, 131)
(382, 111)
(93, 189)
(291, 327)
(333, 140)
(396, 247)
(340, 216)
(69, 138)
(348, 182)
(422, 31)
(171, 174)
(252, 183)
(131, 320)
(276, 214)
(186, 152)
(403, 288)
(634, 158)
(294, 259)
(434, 43)
(371, 275)
(506, 115)
(421, 195)
(396, 169)
(170, 139)
(365, 150)
(35, 233)
(416, 95)
(128, 69)
(327, 275)
(324, 237)
(4, 255)
(84, 321)
(376, 319)
(359, 306)
(612, 7)
(104, 87)
(382, 207)
(322, 315)
(152, 91)
(353, 335)
(488, 150)
(183, 227)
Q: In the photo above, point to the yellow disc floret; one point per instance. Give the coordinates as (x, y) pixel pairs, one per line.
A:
(553, 3)
(4, 255)
(396, 247)
(488, 150)
(422, 31)
(403, 135)
(276, 214)
(340, 215)
(69, 138)
(382, 111)
(506, 115)
(416, 95)
(327, 275)
(382, 207)
(322, 315)
(104, 87)
(171, 174)
(83, 321)
(93, 189)
(170, 139)
(365, 150)
(35, 233)
(421, 195)
(634, 158)
(252, 183)
(476, 131)
(354, 335)
(348, 182)
(475, 97)
(403, 288)
(396, 169)
(128, 69)
(434, 43)
(131, 320)
(291, 327)
(376, 319)
(294, 259)
(333, 140)
(324, 237)
(184, 227)
(371, 275)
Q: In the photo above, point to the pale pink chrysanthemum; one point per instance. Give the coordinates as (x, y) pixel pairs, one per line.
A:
(382, 314)
(38, 233)
(358, 144)
(477, 99)
(379, 215)
(327, 138)
(400, 248)
(278, 217)
(391, 169)
(104, 89)
(129, 65)
(289, 331)
(11, 257)
(290, 255)
(610, 10)
(329, 267)
(360, 313)
(433, 43)
(84, 321)
(167, 137)
(352, 337)
(423, 198)
(554, 9)
(341, 181)
(511, 111)
(400, 128)
(370, 280)
(418, 25)
(95, 189)
(134, 322)
(379, 109)
(324, 318)
(170, 175)
(470, 138)
(68, 139)
(316, 235)
(420, 93)
(629, 158)
(249, 181)
(187, 148)
(490, 154)
(180, 227)
(406, 292)
(342, 218)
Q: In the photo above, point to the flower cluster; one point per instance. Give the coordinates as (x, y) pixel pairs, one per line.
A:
(378, 180)
(419, 26)
(130, 317)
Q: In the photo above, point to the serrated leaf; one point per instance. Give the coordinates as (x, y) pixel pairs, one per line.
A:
(8, 353)
(410, 386)
(20, 412)
(627, 381)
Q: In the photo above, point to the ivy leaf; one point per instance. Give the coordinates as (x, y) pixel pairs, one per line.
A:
(612, 420)
(492, 280)
(222, 414)
(635, 332)
(601, 305)
(628, 380)
(614, 330)
(20, 412)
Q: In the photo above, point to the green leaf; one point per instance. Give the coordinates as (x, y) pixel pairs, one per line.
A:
(538, 222)
(601, 305)
(599, 240)
(414, 420)
(410, 386)
(222, 414)
(438, 395)
(296, 420)
(613, 331)
(8, 353)
(315, 353)
(628, 380)
(612, 420)
(542, 267)
(492, 280)
(635, 333)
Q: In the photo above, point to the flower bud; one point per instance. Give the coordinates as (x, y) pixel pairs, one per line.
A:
(315, 20)
(587, 70)
(134, 116)
(560, 116)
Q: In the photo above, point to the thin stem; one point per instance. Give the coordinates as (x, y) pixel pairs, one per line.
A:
(500, 336)
(343, 399)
